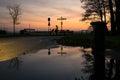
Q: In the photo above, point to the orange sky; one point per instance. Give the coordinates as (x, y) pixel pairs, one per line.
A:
(36, 13)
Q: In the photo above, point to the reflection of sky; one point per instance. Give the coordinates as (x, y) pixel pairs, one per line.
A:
(36, 12)
(41, 66)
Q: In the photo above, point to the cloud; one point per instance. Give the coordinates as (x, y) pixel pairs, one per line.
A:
(44, 7)
(39, 10)
(3, 3)
(70, 13)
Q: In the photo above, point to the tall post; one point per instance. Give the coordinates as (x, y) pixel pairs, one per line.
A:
(61, 18)
(61, 24)
(48, 24)
(99, 49)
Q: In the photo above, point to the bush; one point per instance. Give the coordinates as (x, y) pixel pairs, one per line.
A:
(3, 32)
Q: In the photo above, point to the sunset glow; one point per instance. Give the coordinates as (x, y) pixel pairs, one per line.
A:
(36, 12)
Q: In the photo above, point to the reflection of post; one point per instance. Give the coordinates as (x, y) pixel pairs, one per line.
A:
(61, 52)
(49, 51)
(61, 49)
(98, 50)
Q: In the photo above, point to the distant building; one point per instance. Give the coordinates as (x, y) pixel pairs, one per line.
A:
(85, 31)
(27, 30)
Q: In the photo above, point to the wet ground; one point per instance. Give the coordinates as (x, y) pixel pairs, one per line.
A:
(39, 58)
(13, 47)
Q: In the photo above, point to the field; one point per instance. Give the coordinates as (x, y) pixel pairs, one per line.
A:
(86, 40)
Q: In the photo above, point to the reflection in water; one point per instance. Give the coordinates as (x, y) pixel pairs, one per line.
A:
(14, 63)
(110, 70)
(112, 67)
(117, 74)
(61, 51)
(88, 65)
(75, 65)
(40, 66)
(49, 51)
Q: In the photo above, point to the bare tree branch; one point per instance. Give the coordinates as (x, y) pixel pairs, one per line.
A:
(14, 12)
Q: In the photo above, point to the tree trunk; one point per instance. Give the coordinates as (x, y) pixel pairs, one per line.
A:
(104, 11)
(100, 11)
(117, 3)
(13, 29)
(113, 26)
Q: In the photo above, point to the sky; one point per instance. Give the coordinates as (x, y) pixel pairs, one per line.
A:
(36, 12)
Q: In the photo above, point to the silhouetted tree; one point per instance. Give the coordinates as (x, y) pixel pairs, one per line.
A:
(14, 12)
(3, 32)
(94, 9)
(97, 9)
(117, 15)
(112, 17)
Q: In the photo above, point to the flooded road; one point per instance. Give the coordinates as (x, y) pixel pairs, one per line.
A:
(41, 58)
(59, 64)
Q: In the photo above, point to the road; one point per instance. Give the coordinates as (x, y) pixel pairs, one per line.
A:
(14, 47)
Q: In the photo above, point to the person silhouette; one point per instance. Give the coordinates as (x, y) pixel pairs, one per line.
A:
(56, 30)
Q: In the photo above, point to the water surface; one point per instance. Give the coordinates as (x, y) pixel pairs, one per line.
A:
(56, 63)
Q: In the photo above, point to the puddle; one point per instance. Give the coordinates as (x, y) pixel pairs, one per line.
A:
(56, 63)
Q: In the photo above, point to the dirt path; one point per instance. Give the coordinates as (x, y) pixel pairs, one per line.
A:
(13, 47)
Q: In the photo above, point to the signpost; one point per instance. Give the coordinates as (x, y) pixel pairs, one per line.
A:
(61, 18)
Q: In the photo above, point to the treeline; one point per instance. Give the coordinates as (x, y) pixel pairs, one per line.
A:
(3, 32)
(103, 10)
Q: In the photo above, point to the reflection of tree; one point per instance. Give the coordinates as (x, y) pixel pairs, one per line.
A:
(88, 64)
(14, 12)
(14, 63)
(112, 70)
(88, 67)
(117, 74)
